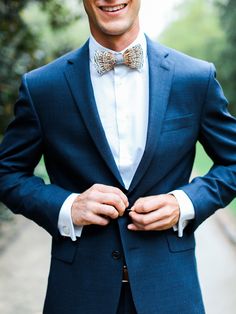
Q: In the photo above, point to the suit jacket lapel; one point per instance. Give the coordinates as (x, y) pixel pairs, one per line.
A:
(160, 78)
(78, 77)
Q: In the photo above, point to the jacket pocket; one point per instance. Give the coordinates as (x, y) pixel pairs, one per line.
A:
(64, 249)
(177, 244)
(178, 123)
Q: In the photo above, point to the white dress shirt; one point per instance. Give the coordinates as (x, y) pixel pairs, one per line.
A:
(122, 99)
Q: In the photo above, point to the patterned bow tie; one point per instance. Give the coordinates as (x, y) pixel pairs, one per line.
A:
(106, 60)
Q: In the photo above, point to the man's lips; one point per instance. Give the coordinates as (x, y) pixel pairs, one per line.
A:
(111, 9)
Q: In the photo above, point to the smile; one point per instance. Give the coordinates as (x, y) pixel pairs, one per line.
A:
(114, 9)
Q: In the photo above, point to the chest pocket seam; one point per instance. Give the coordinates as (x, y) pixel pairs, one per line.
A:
(178, 123)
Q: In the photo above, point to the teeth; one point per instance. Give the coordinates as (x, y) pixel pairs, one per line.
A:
(113, 9)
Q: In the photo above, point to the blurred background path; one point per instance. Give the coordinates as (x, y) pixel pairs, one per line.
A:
(24, 265)
(216, 257)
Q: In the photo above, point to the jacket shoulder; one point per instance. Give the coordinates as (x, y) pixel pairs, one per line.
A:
(185, 60)
(182, 61)
(189, 65)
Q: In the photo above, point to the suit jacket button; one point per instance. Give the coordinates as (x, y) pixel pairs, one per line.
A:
(116, 254)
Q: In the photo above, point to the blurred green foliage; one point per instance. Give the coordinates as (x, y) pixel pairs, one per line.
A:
(196, 31)
(206, 29)
(33, 33)
(227, 11)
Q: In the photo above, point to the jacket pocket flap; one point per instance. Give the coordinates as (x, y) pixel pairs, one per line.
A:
(64, 249)
(178, 122)
(177, 244)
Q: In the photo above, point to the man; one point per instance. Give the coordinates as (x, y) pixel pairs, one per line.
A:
(117, 122)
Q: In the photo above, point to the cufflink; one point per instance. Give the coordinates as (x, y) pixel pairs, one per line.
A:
(66, 230)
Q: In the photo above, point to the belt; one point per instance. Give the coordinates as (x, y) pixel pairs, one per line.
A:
(125, 277)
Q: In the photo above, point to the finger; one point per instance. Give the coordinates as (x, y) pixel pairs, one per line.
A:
(163, 213)
(133, 227)
(162, 224)
(94, 196)
(156, 226)
(145, 219)
(111, 189)
(89, 218)
(99, 220)
(113, 200)
(153, 216)
(107, 210)
(148, 204)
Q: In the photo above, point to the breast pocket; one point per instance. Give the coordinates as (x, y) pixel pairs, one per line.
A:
(178, 123)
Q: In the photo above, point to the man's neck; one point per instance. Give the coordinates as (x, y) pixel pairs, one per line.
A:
(117, 42)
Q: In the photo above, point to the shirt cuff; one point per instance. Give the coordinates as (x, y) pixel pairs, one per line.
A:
(186, 211)
(65, 223)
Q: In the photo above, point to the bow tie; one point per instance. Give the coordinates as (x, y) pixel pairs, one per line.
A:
(106, 60)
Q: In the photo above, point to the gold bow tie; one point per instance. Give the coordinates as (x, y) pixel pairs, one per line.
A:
(106, 60)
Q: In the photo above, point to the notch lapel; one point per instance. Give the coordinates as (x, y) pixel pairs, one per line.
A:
(160, 78)
(77, 75)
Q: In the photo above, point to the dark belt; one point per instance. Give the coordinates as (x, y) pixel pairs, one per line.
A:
(125, 277)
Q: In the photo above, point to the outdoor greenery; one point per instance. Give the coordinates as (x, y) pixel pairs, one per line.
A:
(33, 33)
(227, 11)
(206, 29)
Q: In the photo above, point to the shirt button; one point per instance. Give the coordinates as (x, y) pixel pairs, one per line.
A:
(116, 255)
(66, 230)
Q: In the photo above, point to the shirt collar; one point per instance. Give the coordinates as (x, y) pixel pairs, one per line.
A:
(94, 46)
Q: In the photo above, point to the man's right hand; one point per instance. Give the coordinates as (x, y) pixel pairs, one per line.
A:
(97, 205)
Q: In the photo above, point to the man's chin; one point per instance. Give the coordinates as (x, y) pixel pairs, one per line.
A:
(115, 29)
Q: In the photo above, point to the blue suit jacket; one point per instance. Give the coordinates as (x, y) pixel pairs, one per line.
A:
(56, 116)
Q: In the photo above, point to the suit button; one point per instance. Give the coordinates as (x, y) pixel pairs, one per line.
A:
(116, 254)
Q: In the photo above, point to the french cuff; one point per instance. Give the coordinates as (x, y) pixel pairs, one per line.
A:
(65, 223)
(186, 211)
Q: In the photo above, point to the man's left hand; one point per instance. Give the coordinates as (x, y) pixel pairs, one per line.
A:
(159, 212)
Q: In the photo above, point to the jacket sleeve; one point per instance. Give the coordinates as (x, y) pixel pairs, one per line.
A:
(218, 136)
(20, 152)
